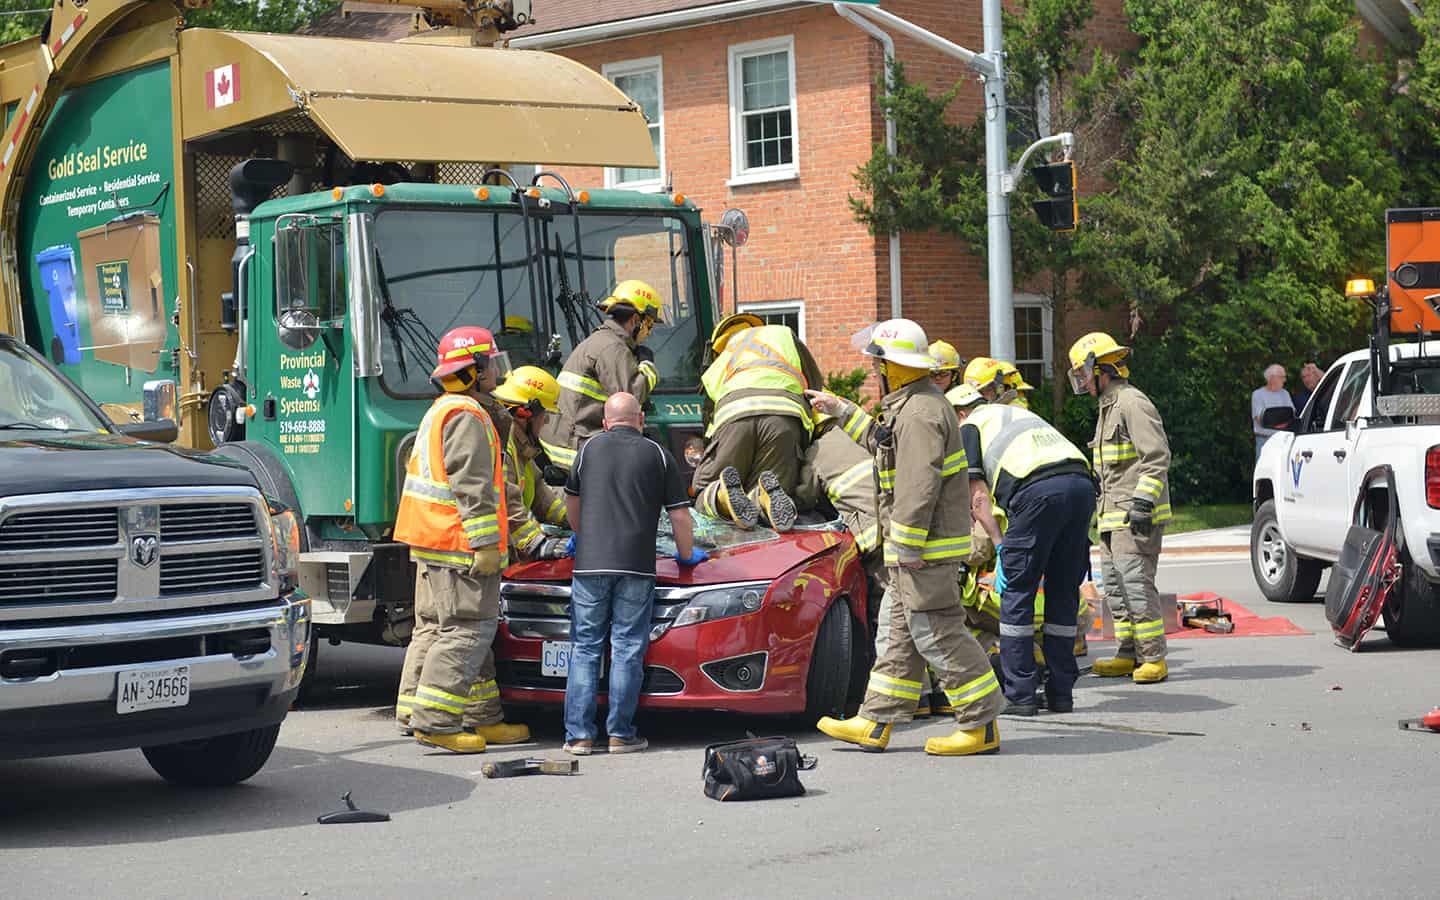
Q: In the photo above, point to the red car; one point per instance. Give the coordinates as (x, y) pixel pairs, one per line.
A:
(771, 623)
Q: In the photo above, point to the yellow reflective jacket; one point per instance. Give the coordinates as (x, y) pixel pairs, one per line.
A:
(763, 371)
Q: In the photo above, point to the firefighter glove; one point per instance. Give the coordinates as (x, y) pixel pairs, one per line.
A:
(644, 353)
(555, 548)
(570, 546)
(487, 562)
(1141, 517)
(1000, 581)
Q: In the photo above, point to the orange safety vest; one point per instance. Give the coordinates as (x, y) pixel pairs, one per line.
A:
(429, 519)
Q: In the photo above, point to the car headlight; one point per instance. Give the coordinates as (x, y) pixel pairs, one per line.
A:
(285, 542)
(721, 603)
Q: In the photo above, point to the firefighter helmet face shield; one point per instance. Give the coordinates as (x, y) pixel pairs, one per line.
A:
(1082, 376)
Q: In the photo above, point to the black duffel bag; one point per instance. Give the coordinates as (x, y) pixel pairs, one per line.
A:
(755, 769)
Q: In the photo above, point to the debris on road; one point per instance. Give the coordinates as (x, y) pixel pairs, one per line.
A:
(530, 765)
(351, 814)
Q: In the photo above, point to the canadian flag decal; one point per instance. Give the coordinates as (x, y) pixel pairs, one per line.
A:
(222, 87)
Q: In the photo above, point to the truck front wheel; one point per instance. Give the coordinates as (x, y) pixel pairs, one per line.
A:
(1282, 575)
(1412, 614)
(216, 762)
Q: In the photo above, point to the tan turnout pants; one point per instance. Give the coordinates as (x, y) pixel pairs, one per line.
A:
(447, 682)
(1129, 565)
(926, 624)
(753, 445)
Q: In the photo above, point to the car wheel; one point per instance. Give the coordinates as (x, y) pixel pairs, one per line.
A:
(216, 762)
(829, 680)
(1412, 614)
(1283, 575)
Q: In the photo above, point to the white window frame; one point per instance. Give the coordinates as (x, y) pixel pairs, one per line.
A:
(739, 174)
(778, 306)
(633, 67)
(1047, 325)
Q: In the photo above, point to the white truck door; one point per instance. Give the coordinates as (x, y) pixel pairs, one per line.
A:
(1314, 511)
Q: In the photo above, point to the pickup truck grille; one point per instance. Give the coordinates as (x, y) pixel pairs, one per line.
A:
(223, 570)
(95, 527)
(84, 581)
(207, 522)
(134, 551)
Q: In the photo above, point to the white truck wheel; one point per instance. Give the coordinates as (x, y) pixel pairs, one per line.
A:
(1282, 575)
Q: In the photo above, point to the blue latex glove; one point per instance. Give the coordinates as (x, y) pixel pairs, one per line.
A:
(697, 556)
(570, 546)
(1000, 581)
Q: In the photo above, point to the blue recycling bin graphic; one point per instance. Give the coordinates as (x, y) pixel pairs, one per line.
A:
(57, 274)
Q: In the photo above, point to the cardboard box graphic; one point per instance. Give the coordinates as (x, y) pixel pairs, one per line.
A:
(124, 291)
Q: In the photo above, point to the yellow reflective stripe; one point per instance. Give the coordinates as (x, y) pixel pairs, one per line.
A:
(894, 687)
(868, 538)
(556, 513)
(1116, 452)
(904, 534)
(468, 351)
(955, 462)
(652, 375)
(525, 533)
(944, 548)
(848, 479)
(484, 690)
(437, 699)
(1163, 513)
(1112, 520)
(971, 691)
(560, 456)
(404, 704)
(481, 526)
(1150, 629)
(1149, 486)
(427, 490)
(578, 383)
(1124, 630)
(857, 424)
(887, 478)
(780, 406)
(456, 557)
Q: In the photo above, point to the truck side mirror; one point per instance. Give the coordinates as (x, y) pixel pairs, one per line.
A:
(161, 401)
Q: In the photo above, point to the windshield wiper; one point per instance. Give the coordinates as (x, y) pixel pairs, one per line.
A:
(33, 426)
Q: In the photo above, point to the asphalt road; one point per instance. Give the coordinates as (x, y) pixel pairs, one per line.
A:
(1265, 767)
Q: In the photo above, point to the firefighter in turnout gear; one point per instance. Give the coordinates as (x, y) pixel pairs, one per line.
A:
(529, 393)
(760, 423)
(840, 472)
(1132, 460)
(922, 503)
(946, 372)
(453, 516)
(1021, 465)
(1014, 390)
(611, 360)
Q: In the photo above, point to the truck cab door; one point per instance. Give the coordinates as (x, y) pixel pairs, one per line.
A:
(1314, 509)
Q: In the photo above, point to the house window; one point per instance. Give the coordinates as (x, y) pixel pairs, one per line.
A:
(641, 81)
(762, 111)
(1032, 337)
(780, 312)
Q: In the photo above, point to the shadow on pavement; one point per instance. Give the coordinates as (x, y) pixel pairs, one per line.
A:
(1243, 673)
(1148, 700)
(107, 800)
(1080, 741)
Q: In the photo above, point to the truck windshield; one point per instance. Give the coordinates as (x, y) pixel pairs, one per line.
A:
(444, 268)
(33, 398)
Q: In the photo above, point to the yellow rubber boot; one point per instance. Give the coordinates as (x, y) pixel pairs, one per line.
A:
(869, 736)
(776, 508)
(976, 741)
(459, 742)
(1152, 672)
(1115, 667)
(725, 499)
(503, 733)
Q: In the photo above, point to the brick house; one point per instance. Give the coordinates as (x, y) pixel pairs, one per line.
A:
(770, 106)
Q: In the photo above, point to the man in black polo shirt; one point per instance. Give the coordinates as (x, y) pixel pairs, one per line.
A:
(618, 485)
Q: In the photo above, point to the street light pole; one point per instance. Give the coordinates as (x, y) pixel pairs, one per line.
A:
(997, 200)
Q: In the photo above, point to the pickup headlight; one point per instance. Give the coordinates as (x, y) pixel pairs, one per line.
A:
(285, 541)
(721, 603)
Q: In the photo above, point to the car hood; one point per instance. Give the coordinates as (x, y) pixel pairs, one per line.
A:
(760, 561)
(93, 462)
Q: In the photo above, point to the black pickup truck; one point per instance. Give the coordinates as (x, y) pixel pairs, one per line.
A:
(147, 593)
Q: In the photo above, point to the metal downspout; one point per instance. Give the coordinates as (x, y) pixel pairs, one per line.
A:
(888, 44)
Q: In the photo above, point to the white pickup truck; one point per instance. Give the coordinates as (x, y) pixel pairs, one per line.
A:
(1332, 472)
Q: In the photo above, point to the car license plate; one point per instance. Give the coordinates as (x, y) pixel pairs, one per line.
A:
(137, 690)
(555, 659)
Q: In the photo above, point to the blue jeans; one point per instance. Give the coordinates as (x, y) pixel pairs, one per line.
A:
(1049, 538)
(620, 606)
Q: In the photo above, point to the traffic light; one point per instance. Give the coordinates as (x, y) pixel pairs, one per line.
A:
(1060, 211)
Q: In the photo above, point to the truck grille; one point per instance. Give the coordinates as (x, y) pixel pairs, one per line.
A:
(207, 522)
(101, 553)
(80, 581)
(222, 570)
(93, 527)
